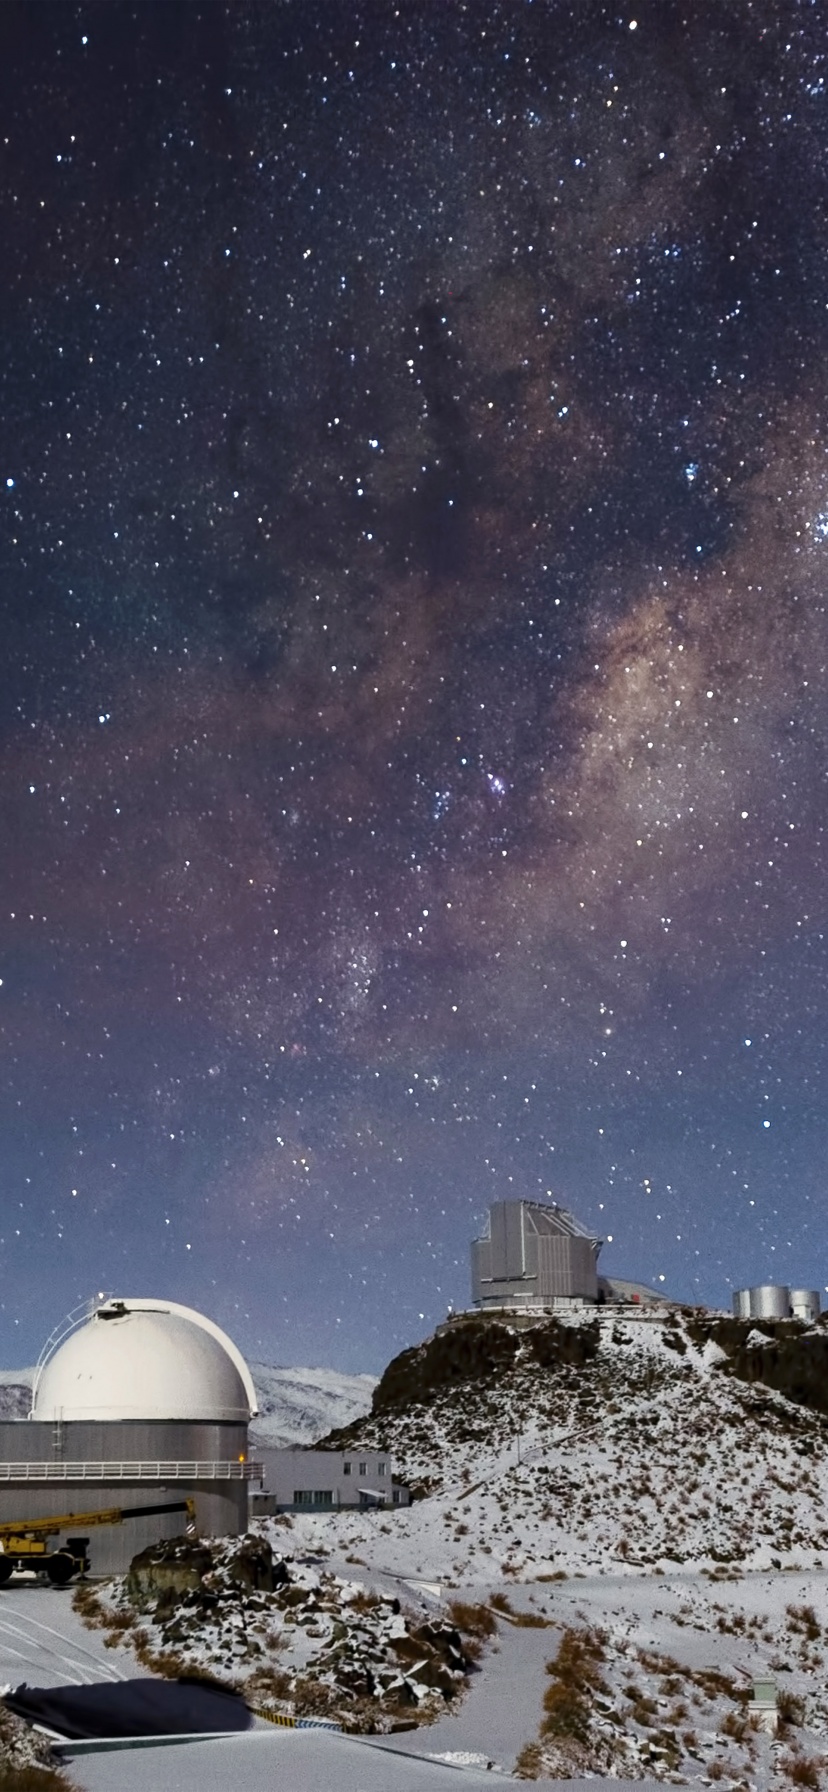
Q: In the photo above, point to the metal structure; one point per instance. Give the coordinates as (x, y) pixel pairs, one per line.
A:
(142, 1359)
(129, 1471)
(621, 1290)
(774, 1300)
(533, 1254)
(805, 1304)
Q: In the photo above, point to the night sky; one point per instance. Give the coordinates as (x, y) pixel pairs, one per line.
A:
(413, 719)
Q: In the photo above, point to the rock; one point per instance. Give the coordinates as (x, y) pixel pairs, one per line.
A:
(250, 1564)
(167, 1570)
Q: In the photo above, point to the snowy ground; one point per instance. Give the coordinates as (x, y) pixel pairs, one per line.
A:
(296, 1760)
(46, 1643)
(679, 1656)
(648, 1496)
(647, 1524)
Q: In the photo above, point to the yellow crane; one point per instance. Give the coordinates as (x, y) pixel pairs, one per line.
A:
(24, 1543)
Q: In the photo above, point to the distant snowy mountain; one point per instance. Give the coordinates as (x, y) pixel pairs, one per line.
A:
(297, 1406)
(15, 1393)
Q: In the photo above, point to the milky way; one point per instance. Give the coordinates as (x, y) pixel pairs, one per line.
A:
(413, 725)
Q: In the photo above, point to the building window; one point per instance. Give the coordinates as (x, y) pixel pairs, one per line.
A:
(323, 1496)
(316, 1496)
(395, 1497)
(363, 1468)
(346, 1468)
(381, 1467)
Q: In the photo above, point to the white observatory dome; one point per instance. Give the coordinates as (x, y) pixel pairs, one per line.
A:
(145, 1359)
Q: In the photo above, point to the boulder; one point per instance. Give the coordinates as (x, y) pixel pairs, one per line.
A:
(167, 1570)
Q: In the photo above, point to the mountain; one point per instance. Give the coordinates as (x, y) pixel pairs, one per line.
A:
(296, 1406)
(15, 1393)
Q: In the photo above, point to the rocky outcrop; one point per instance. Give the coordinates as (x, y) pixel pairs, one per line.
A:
(167, 1570)
(235, 1607)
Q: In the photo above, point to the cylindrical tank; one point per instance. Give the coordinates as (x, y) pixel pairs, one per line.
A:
(805, 1303)
(741, 1303)
(770, 1301)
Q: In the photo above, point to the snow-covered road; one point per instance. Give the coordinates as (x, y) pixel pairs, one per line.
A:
(44, 1642)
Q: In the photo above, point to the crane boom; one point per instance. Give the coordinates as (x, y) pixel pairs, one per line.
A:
(50, 1527)
(24, 1543)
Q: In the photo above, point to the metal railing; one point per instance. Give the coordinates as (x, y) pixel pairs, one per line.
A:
(130, 1471)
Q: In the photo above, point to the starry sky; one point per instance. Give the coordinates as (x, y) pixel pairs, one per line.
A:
(413, 726)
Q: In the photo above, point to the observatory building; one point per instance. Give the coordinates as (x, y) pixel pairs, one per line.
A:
(136, 1404)
(533, 1254)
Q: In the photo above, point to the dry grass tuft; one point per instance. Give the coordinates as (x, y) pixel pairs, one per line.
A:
(500, 1602)
(529, 1763)
(473, 1620)
(803, 1772)
(575, 1675)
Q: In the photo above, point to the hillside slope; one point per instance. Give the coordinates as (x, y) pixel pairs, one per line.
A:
(296, 1406)
(15, 1393)
(591, 1443)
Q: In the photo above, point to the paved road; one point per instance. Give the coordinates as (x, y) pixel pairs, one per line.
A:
(303, 1760)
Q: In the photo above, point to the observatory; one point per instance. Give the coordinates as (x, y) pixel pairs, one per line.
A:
(533, 1254)
(135, 1403)
(775, 1300)
(144, 1359)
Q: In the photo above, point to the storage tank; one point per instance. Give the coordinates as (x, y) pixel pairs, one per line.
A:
(805, 1303)
(741, 1303)
(770, 1301)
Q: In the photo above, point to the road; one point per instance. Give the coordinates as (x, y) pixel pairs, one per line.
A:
(43, 1641)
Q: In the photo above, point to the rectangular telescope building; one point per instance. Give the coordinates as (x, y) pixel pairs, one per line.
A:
(533, 1254)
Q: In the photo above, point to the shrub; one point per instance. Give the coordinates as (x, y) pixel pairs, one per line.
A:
(529, 1762)
(312, 1698)
(364, 1601)
(473, 1620)
(802, 1772)
(804, 1619)
(575, 1674)
(500, 1602)
(735, 1725)
(267, 1684)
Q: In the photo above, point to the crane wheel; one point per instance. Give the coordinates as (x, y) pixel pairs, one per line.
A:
(60, 1568)
(6, 1570)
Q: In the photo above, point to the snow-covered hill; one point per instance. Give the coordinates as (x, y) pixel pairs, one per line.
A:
(589, 1444)
(622, 1516)
(297, 1406)
(15, 1392)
